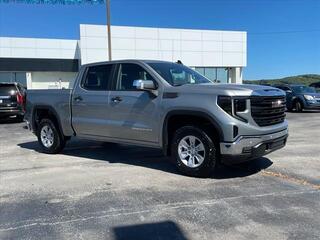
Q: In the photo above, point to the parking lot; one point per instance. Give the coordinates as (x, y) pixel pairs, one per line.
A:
(107, 191)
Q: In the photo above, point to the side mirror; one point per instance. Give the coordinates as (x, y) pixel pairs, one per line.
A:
(144, 84)
(288, 91)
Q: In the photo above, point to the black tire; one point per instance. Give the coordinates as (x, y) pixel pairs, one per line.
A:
(210, 157)
(20, 118)
(298, 106)
(58, 139)
(290, 109)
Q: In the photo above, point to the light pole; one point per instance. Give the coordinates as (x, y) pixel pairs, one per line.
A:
(109, 30)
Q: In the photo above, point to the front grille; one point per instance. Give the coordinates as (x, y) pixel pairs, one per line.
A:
(267, 111)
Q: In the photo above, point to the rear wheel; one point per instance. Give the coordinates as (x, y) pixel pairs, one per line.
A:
(19, 118)
(194, 152)
(49, 137)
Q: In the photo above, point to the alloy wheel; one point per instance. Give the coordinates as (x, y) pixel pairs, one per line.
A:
(191, 151)
(47, 136)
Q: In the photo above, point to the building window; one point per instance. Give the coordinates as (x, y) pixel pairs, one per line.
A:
(214, 74)
(222, 75)
(200, 70)
(19, 77)
(211, 73)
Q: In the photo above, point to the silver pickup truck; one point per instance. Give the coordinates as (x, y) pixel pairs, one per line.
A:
(162, 105)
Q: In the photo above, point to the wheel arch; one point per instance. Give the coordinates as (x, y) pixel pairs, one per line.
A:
(44, 111)
(193, 115)
(298, 99)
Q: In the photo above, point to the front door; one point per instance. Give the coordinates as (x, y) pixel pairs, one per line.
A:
(90, 102)
(133, 113)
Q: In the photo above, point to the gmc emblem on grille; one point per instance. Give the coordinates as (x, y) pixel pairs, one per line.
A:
(277, 103)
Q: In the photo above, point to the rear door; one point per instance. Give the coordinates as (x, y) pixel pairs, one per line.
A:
(90, 101)
(133, 113)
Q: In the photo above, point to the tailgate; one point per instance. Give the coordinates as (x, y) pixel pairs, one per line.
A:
(8, 97)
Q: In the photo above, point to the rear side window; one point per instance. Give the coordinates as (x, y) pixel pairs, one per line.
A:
(97, 78)
(7, 89)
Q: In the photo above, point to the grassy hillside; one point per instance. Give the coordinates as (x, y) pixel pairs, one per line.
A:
(306, 79)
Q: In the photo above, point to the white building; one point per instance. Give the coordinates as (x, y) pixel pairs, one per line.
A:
(53, 63)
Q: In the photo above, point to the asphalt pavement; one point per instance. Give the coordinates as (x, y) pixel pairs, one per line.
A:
(98, 190)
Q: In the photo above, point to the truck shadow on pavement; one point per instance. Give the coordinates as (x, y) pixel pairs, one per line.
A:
(166, 230)
(146, 157)
(9, 121)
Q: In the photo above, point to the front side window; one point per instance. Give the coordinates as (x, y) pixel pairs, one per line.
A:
(303, 89)
(97, 78)
(177, 74)
(130, 72)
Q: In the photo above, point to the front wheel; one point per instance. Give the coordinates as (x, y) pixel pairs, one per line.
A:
(194, 152)
(49, 137)
(298, 106)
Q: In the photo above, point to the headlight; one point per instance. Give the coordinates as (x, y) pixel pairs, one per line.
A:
(308, 97)
(225, 103)
(240, 105)
(233, 106)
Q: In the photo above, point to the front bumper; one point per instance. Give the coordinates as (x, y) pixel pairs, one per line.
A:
(250, 147)
(312, 105)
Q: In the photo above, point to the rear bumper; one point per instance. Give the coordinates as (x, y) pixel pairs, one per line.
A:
(250, 147)
(10, 112)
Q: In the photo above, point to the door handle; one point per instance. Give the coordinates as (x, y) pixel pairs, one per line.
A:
(116, 99)
(78, 98)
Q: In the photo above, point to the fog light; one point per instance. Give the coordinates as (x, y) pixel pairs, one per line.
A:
(247, 150)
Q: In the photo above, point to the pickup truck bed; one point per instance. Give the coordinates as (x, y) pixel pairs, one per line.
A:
(55, 100)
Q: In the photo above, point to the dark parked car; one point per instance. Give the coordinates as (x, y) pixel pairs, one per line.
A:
(300, 97)
(12, 100)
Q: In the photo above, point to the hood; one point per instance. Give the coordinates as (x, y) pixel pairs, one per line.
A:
(233, 89)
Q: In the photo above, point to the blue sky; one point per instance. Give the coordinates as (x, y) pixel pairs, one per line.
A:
(283, 35)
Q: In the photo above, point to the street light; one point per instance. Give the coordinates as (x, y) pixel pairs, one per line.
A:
(109, 30)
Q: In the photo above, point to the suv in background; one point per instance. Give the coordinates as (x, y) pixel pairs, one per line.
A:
(12, 99)
(300, 97)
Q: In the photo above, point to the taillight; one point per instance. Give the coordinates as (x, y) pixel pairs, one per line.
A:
(21, 100)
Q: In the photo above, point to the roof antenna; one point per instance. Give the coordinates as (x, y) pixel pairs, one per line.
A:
(179, 62)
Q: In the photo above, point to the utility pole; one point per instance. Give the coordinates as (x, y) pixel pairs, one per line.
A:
(109, 29)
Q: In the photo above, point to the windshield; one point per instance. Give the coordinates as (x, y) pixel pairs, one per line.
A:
(303, 89)
(178, 74)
